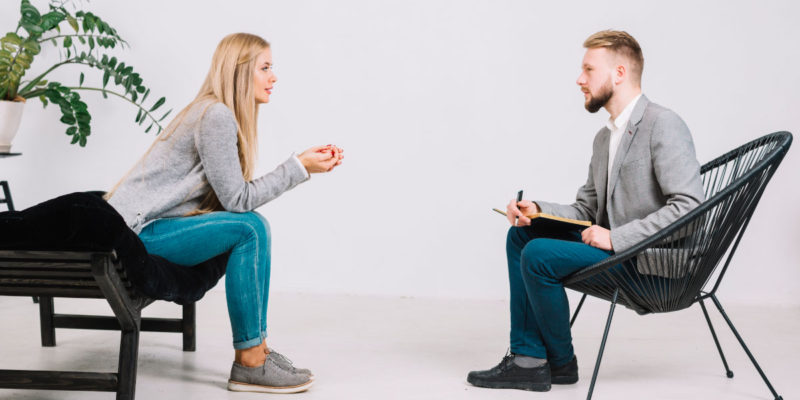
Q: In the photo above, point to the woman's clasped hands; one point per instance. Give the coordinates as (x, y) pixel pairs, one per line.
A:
(321, 158)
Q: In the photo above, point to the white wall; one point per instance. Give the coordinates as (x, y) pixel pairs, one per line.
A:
(445, 109)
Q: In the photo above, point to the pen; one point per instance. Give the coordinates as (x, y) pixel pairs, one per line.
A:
(519, 198)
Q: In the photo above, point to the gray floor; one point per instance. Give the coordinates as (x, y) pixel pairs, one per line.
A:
(407, 348)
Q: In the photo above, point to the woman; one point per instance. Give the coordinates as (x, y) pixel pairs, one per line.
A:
(192, 195)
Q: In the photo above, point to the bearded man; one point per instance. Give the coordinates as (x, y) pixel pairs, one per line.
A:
(643, 175)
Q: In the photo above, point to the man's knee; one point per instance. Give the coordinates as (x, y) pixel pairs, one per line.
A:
(515, 238)
(536, 257)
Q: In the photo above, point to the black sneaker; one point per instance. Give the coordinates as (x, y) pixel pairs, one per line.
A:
(565, 374)
(508, 375)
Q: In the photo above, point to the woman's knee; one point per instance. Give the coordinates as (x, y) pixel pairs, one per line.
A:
(255, 225)
(259, 224)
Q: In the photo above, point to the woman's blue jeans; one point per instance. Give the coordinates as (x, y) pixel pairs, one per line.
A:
(537, 262)
(191, 240)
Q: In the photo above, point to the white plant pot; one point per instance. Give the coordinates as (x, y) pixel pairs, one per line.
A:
(10, 116)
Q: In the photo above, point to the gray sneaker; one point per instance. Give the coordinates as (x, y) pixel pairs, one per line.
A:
(268, 378)
(285, 363)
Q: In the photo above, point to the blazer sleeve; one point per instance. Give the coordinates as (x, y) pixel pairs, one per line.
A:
(584, 207)
(677, 172)
(217, 145)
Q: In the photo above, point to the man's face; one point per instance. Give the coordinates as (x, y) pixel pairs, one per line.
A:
(596, 78)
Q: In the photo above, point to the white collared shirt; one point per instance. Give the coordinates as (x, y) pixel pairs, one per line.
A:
(617, 127)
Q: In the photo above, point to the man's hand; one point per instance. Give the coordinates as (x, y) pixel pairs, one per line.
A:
(520, 209)
(597, 236)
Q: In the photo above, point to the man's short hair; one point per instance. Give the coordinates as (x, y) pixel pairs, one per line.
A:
(621, 43)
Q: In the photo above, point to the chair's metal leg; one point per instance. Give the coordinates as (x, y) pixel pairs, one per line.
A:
(128, 359)
(189, 327)
(575, 315)
(48, 329)
(728, 371)
(746, 350)
(603, 344)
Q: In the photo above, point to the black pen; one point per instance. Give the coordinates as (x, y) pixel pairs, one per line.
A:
(519, 198)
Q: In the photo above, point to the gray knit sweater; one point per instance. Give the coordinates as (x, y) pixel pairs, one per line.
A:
(201, 154)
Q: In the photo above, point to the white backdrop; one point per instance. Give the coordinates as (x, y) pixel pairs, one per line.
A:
(445, 110)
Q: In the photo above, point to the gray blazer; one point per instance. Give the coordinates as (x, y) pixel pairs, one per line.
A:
(655, 178)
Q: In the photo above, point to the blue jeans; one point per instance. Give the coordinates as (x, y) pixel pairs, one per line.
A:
(538, 260)
(191, 240)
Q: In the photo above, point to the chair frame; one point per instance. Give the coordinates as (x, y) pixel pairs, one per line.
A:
(579, 281)
(49, 274)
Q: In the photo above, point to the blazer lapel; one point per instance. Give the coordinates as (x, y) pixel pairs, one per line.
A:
(601, 173)
(625, 143)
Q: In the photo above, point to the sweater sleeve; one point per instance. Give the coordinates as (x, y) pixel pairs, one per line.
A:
(217, 145)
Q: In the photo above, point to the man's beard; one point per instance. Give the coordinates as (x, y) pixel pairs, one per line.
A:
(597, 102)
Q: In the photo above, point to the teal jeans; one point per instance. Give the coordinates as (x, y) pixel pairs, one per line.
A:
(537, 262)
(192, 240)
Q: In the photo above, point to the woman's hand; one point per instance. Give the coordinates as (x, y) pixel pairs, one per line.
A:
(520, 209)
(321, 158)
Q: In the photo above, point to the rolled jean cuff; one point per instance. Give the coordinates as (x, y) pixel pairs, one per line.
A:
(248, 343)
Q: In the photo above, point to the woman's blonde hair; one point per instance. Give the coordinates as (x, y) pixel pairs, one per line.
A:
(229, 81)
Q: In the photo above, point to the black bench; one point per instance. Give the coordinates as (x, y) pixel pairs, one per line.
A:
(108, 262)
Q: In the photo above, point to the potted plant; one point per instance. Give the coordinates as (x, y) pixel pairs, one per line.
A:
(87, 46)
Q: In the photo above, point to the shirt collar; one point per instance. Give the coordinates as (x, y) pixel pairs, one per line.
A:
(624, 116)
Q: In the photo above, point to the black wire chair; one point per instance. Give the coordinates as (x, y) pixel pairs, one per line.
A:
(670, 270)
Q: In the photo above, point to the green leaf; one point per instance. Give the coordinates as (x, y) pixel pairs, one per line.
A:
(72, 130)
(73, 23)
(158, 104)
(68, 119)
(32, 46)
(51, 20)
(33, 29)
(149, 127)
(75, 139)
(81, 39)
(138, 116)
(89, 21)
(29, 13)
(165, 115)
(43, 99)
(112, 62)
(106, 75)
(41, 83)
(91, 42)
(12, 38)
(80, 83)
(68, 41)
(83, 141)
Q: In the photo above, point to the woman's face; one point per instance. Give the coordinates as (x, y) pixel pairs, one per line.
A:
(263, 77)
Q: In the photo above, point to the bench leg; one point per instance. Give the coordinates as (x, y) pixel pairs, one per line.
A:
(189, 327)
(128, 359)
(46, 321)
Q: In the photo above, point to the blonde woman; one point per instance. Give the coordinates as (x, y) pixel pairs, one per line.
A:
(192, 195)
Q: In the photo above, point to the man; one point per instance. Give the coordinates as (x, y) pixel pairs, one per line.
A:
(643, 175)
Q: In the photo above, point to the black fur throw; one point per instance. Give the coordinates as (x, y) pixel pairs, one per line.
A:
(86, 222)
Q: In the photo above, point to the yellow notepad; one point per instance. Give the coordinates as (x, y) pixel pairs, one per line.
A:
(559, 221)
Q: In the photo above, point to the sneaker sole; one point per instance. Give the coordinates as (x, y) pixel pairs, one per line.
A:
(533, 387)
(249, 387)
(564, 380)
